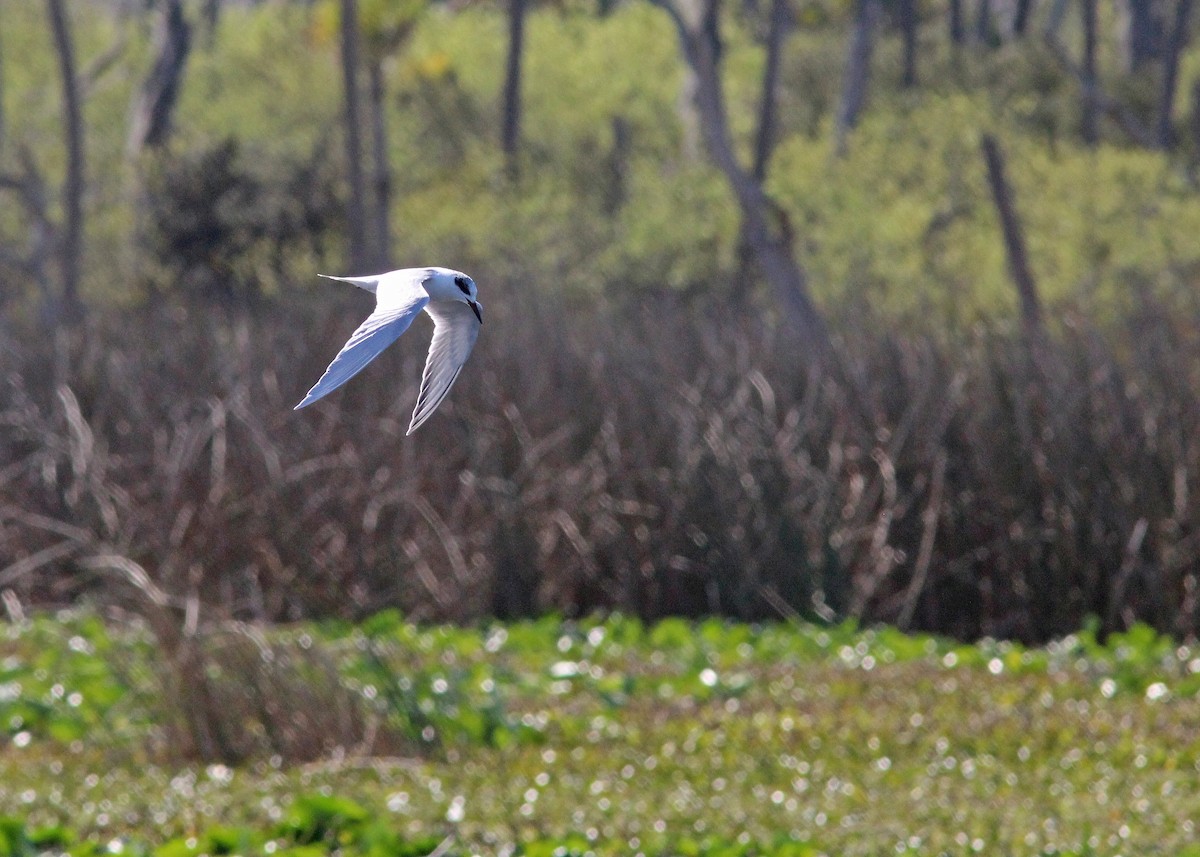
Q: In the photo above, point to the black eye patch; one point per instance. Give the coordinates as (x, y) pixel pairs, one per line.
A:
(461, 282)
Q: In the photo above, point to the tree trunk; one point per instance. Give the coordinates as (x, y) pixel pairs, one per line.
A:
(360, 255)
(3, 114)
(1194, 119)
(696, 22)
(909, 20)
(1121, 115)
(1090, 126)
(381, 221)
(1144, 33)
(1021, 17)
(71, 248)
(764, 141)
(1178, 39)
(984, 28)
(954, 19)
(1014, 240)
(858, 72)
(615, 189)
(30, 188)
(510, 131)
(211, 14)
(151, 122)
(689, 118)
(1054, 19)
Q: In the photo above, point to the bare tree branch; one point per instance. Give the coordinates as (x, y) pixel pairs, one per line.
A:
(1014, 239)
(28, 564)
(71, 248)
(30, 187)
(131, 572)
(929, 527)
(1121, 115)
(101, 65)
(696, 25)
(764, 140)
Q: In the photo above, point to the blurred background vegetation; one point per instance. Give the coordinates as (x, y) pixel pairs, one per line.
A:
(879, 315)
(800, 366)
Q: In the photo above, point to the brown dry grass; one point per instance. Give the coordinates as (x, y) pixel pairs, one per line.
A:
(674, 460)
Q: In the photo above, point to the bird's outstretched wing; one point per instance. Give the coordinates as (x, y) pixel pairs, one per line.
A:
(455, 330)
(381, 329)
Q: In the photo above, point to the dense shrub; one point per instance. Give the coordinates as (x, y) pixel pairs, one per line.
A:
(660, 458)
(220, 226)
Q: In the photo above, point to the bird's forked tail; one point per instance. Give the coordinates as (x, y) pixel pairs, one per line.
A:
(368, 283)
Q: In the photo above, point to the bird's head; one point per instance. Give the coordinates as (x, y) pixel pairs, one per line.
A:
(456, 286)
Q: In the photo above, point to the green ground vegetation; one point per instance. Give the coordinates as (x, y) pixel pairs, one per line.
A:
(611, 736)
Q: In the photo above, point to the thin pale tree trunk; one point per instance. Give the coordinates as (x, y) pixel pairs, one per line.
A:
(1104, 103)
(1145, 33)
(764, 141)
(1164, 136)
(1054, 19)
(954, 22)
(382, 181)
(360, 255)
(3, 114)
(1021, 17)
(695, 22)
(510, 129)
(71, 249)
(1014, 238)
(858, 72)
(211, 14)
(615, 189)
(983, 22)
(1090, 125)
(151, 123)
(908, 26)
(689, 118)
(1194, 119)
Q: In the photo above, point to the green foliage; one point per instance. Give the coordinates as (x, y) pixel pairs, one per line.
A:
(321, 819)
(903, 223)
(59, 681)
(730, 739)
(224, 226)
(909, 205)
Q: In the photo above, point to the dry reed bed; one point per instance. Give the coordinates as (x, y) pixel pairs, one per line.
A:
(679, 460)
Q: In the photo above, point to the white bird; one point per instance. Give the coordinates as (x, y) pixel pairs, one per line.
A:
(448, 296)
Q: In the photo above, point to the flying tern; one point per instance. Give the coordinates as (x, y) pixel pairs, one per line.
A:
(450, 298)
